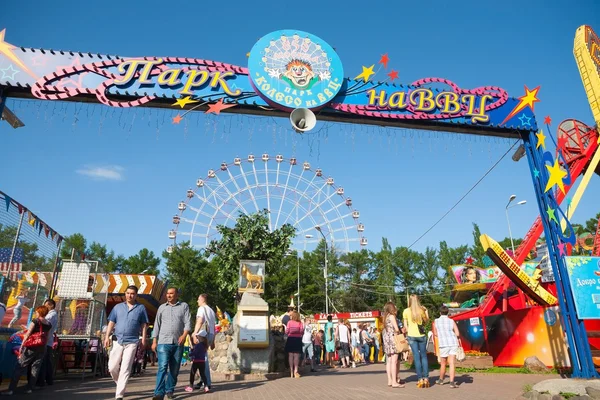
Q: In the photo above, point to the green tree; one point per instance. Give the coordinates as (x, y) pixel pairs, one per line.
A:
(360, 293)
(142, 262)
(249, 239)
(384, 273)
(72, 242)
(32, 259)
(476, 249)
(592, 224)
(190, 272)
(406, 267)
(107, 261)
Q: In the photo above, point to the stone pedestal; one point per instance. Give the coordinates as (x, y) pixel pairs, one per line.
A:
(232, 357)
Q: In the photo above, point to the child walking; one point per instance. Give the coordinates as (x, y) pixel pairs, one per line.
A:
(198, 357)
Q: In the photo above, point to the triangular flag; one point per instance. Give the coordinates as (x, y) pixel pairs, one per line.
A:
(40, 227)
(20, 209)
(7, 199)
(30, 218)
(46, 230)
(52, 234)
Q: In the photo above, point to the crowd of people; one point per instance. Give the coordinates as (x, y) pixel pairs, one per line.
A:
(354, 345)
(338, 344)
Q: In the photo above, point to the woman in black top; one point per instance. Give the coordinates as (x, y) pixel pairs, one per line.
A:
(31, 356)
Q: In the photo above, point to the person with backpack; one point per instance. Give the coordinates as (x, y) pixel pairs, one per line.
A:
(206, 319)
(415, 317)
(32, 351)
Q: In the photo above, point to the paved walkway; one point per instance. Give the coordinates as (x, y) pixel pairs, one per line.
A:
(364, 382)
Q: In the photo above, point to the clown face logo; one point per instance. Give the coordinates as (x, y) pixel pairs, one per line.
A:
(299, 74)
(295, 69)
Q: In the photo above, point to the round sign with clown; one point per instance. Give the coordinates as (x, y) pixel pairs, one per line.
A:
(294, 69)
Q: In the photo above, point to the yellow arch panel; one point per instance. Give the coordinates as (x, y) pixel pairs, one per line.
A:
(586, 50)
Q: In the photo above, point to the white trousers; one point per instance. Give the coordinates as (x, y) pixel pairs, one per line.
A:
(120, 362)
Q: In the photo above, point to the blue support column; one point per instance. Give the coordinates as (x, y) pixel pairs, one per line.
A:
(577, 340)
(2, 101)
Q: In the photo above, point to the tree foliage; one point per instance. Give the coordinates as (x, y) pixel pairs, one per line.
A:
(249, 239)
(357, 281)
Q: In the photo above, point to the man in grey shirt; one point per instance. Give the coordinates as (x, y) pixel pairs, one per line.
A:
(171, 327)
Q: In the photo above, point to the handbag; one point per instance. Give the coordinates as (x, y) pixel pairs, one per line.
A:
(400, 343)
(460, 352)
(37, 339)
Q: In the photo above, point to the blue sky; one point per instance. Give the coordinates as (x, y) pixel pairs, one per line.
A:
(401, 181)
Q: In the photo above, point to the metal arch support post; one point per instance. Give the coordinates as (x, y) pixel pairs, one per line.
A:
(579, 348)
(2, 101)
(325, 273)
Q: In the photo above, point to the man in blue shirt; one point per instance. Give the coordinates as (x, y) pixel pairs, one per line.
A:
(128, 319)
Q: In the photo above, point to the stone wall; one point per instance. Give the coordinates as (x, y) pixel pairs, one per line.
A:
(218, 357)
(228, 358)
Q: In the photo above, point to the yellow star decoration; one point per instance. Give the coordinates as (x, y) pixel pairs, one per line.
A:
(184, 101)
(366, 73)
(530, 97)
(7, 50)
(556, 177)
(541, 140)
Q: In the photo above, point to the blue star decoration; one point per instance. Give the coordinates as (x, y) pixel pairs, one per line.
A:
(6, 75)
(536, 173)
(525, 120)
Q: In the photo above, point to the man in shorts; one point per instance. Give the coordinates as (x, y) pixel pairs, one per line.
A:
(447, 335)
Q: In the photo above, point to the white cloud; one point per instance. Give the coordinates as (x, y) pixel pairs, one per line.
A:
(109, 172)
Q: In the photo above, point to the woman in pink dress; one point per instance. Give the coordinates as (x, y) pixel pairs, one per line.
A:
(293, 346)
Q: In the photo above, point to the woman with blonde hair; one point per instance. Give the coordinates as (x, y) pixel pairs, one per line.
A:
(389, 347)
(415, 317)
(293, 346)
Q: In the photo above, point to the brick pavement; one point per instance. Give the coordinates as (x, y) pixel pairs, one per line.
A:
(364, 382)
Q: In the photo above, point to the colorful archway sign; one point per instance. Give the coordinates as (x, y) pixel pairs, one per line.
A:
(287, 69)
(294, 69)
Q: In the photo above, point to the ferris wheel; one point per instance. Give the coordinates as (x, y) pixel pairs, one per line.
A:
(292, 192)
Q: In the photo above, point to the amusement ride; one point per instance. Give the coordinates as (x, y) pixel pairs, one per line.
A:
(294, 193)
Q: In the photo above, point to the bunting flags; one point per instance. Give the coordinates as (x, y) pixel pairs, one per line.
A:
(30, 218)
(36, 223)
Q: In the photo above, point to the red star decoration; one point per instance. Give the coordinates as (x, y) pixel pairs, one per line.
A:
(384, 60)
(547, 120)
(562, 142)
(470, 260)
(218, 107)
(393, 75)
(177, 119)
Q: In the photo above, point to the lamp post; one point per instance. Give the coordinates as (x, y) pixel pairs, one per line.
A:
(318, 228)
(520, 203)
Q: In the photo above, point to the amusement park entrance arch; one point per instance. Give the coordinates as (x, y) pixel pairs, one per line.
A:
(293, 73)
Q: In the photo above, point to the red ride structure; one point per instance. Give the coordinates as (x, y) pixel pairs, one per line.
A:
(578, 143)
